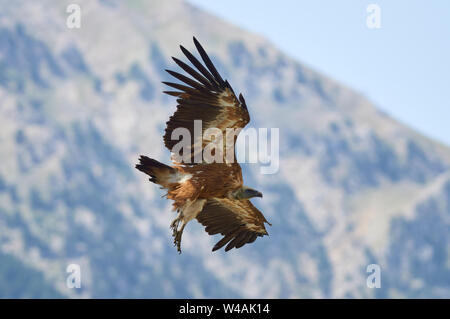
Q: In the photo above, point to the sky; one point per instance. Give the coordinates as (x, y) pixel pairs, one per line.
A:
(403, 66)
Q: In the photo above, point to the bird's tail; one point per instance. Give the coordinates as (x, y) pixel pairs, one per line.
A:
(159, 173)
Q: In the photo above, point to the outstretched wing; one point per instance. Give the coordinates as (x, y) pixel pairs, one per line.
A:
(207, 97)
(237, 220)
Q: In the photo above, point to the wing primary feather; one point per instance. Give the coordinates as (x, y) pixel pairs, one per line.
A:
(222, 242)
(242, 100)
(186, 80)
(252, 238)
(235, 240)
(208, 61)
(197, 96)
(179, 86)
(212, 230)
(244, 240)
(173, 93)
(194, 73)
(199, 66)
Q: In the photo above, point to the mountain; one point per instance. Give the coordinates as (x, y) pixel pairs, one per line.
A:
(78, 106)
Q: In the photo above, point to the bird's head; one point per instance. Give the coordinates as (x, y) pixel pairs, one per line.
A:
(245, 192)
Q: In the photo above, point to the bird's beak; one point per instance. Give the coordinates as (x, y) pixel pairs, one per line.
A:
(249, 193)
(255, 193)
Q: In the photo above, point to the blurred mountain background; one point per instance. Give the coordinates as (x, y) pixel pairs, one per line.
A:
(78, 106)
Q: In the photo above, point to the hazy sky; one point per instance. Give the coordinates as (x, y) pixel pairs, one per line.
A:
(403, 67)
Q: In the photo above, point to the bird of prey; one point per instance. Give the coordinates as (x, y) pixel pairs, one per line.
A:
(211, 192)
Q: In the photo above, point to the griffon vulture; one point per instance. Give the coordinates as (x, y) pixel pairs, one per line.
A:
(211, 192)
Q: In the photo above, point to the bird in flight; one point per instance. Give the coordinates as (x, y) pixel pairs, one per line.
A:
(210, 191)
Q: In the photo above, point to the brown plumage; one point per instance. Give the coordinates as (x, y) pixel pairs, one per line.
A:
(213, 193)
(223, 215)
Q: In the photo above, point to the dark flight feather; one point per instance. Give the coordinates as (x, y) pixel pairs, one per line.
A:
(237, 220)
(206, 97)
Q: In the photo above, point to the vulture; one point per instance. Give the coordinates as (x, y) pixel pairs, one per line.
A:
(210, 191)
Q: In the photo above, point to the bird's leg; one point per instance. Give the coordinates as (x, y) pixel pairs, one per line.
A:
(176, 233)
(175, 223)
(177, 237)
